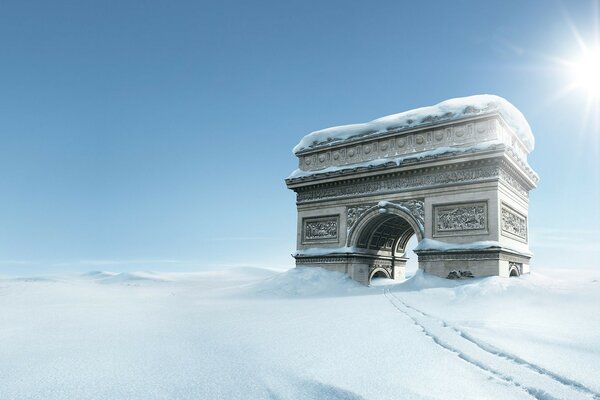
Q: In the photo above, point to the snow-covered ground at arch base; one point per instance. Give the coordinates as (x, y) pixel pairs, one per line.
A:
(300, 334)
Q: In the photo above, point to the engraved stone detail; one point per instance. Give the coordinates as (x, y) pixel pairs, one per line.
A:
(513, 223)
(405, 142)
(383, 264)
(507, 177)
(398, 183)
(458, 274)
(461, 217)
(354, 213)
(494, 255)
(320, 260)
(414, 207)
(417, 209)
(320, 229)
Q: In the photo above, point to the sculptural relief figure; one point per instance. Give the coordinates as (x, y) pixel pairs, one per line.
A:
(461, 218)
(513, 223)
(321, 229)
(354, 213)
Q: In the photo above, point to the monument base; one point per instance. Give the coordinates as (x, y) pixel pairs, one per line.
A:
(474, 263)
(445, 264)
(360, 267)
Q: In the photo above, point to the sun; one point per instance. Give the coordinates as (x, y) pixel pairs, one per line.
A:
(586, 72)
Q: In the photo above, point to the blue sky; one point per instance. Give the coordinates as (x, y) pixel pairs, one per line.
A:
(156, 135)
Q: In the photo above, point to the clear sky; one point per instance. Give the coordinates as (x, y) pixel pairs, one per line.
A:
(157, 134)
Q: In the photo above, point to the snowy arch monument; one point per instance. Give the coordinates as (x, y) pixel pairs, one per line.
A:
(454, 174)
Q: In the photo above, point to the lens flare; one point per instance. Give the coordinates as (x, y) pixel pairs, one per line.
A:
(586, 72)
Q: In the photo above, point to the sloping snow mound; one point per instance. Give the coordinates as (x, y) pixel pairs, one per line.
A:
(421, 280)
(98, 274)
(130, 277)
(308, 282)
(249, 273)
(449, 110)
(533, 284)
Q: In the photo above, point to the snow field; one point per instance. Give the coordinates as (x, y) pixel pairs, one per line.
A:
(300, 334)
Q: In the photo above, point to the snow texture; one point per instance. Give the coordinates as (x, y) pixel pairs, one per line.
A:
(306, 333)
(446, 111)
(437, 245)
(380, 162)
(322, 251)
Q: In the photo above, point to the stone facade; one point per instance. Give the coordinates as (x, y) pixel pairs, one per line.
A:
(360, 200)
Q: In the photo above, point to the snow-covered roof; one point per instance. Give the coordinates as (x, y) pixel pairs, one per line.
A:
(446, 111)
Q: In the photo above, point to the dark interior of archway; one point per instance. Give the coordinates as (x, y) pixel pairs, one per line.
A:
(514, 272)
(386, 233)
(379, 274)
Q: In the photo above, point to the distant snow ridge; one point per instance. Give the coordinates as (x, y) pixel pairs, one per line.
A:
(446, 111)
(125, 277)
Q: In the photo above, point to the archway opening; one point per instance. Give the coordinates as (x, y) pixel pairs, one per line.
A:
(514, 272)
(379, 274)
(386, 237)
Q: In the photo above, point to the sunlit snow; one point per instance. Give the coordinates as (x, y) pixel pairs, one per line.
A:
(301, 334)
(448, 110)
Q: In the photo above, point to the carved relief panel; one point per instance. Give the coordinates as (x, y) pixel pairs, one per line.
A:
(321, 229)
(354, 213)
(513, 224)
(460, 219)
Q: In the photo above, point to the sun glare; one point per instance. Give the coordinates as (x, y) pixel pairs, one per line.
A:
(586, 72)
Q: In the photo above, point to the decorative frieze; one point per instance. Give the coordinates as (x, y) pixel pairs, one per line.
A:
(320, 229)
(513, 224)
(409, 181)
(399, 143)
(354, 213)
(382, 264)
(394, 183)
(321, 260)
(475, 256)
(460, 219)
(414, 207)
(508, 178)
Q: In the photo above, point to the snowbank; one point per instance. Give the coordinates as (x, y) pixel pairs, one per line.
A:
(446, 111)
(437, 245)
(306, 282)
(322, 251)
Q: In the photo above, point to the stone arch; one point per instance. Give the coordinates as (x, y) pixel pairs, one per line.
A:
(514, 271)
(380, 236)
(383, 208)
(380, 272)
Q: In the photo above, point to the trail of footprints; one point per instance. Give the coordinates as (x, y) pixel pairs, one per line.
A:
(540, 383)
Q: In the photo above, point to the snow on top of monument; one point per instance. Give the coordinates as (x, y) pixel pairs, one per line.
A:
(448, 110)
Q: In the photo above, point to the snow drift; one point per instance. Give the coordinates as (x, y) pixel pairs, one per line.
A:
(446, 111)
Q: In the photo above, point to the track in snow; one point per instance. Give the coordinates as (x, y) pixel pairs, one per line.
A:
(535, 380)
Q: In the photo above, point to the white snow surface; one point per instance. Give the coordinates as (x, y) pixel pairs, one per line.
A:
(321, 251)
(448, 110)
(438, 245)
(306, 333)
